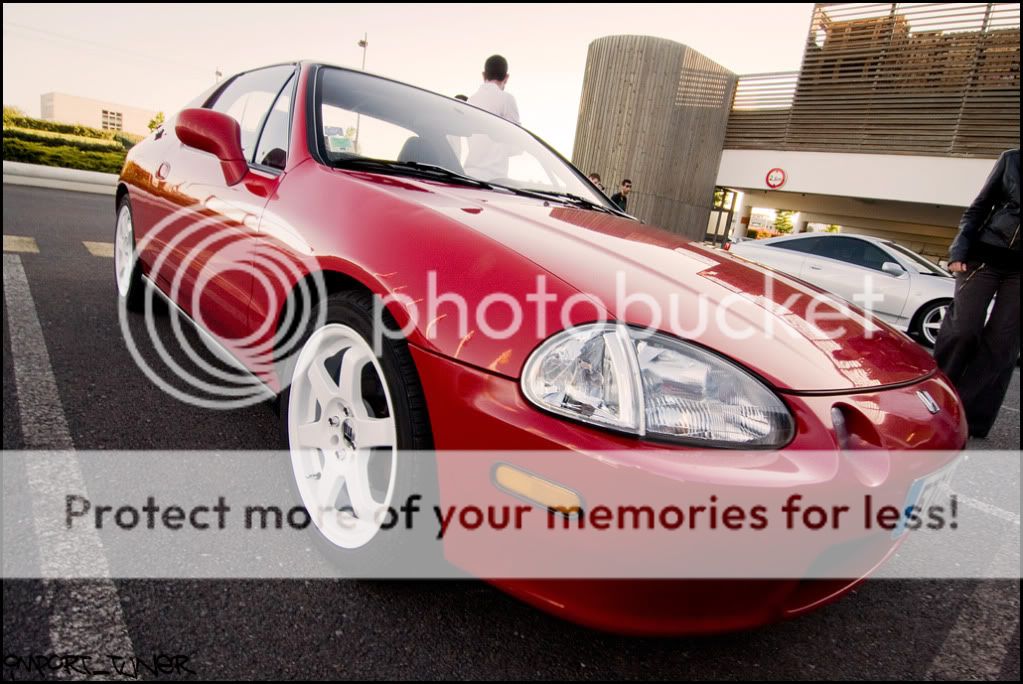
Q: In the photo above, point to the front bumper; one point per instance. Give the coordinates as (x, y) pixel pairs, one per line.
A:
(484, 413)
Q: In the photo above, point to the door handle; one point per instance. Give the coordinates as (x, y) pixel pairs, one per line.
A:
(816, 268)
(163, 171)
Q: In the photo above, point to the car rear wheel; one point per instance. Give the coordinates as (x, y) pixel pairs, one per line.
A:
(928, 322)
(127, 269)
(352, 421)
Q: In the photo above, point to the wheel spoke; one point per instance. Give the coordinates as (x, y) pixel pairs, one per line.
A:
(357, 482)
(374, 432)
(314, 435)
(329, 486)
(323, 386)
(350, 381)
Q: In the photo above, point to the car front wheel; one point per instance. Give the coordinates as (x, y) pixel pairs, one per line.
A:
(355, 425)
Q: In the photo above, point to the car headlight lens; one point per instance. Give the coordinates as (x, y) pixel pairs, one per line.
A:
(654, 385)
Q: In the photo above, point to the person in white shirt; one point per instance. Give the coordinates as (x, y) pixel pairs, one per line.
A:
(492, 95)
(488, 159)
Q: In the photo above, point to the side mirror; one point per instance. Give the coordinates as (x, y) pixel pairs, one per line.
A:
(218, 134)
(892, 268)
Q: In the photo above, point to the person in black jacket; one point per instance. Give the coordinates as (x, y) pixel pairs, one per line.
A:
(621, 198)
(980, 357)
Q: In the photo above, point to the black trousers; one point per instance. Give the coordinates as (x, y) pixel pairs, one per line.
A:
(980, 358)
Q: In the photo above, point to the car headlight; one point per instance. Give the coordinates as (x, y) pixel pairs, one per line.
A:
(653, 385)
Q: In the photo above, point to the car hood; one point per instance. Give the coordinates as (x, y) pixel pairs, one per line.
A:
(756, 316)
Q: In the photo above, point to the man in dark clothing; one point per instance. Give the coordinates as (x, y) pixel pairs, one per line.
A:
(985, 258)
(621, 197)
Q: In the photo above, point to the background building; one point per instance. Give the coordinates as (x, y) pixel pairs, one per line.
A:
(106, 116)
(889, 128)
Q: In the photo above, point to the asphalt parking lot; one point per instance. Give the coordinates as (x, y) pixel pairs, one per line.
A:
(919, 629)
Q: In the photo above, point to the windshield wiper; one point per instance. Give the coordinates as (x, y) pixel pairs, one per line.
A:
(408, 167)
(425, 170)
(577, 200)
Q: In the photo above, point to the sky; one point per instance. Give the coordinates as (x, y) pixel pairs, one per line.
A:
(159, 57)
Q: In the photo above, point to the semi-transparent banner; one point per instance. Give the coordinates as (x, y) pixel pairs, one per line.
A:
(644, 513)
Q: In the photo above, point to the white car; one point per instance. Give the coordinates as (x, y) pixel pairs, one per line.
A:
(896, 285)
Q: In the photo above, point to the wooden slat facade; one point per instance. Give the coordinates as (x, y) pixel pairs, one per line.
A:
(654, 111)
(924, 79)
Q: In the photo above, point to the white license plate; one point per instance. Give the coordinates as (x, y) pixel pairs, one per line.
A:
(922, 493)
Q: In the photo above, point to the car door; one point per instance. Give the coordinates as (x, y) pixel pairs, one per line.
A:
(209, 253)
(852, 269)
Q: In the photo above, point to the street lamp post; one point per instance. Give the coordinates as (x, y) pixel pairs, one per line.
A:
(364, 43)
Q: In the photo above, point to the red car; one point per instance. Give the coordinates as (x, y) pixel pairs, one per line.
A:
(366, 248)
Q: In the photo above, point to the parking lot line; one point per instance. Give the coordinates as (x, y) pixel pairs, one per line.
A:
(18, 243)
(100, 249)
(990, 509)
(85, 616)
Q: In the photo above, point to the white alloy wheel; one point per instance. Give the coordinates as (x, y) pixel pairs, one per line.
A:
(931, 323)
(342, 436)
(124, 250)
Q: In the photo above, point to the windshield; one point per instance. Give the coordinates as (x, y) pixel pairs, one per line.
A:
(365, 116)
(922, 265)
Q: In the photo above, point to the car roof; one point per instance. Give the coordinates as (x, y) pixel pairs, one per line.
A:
(802, 236)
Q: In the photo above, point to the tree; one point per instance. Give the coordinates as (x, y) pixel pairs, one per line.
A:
(156, 121)
(783, 221)
(833, 228)
(11, 113)
(720, 197)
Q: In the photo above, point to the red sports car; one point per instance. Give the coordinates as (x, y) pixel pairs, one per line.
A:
(408, 272)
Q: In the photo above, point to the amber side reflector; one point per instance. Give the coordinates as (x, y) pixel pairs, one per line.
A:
(537, 490)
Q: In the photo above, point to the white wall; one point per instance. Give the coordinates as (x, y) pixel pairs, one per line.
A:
(926, 180)
(83, 111)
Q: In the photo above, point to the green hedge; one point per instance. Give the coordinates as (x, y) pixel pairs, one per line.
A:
(128, 140)
(62, 155)
(60, 139)
(57, 127)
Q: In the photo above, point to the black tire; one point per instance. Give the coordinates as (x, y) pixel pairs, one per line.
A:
(922, 328)
(415, 475)
(134, 299)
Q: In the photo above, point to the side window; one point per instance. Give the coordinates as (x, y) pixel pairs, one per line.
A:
(248, 99)
(272, 149)
(873, 256)
(799, 245)
(852, 251)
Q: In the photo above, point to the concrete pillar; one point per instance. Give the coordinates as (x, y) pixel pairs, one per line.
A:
(655, 111)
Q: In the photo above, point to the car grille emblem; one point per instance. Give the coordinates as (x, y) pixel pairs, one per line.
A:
(928, 401)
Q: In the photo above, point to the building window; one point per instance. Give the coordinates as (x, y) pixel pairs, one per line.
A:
(112, 121)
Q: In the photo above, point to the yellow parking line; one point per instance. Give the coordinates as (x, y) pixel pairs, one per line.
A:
(17, 243)
(100, 249)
